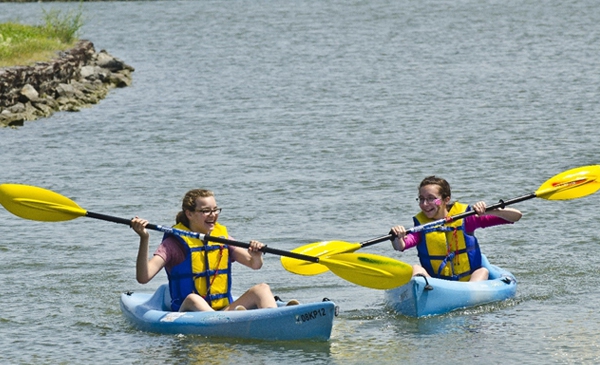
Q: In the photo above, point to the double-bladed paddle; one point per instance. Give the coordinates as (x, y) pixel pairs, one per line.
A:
(571, 184)
(368, 270)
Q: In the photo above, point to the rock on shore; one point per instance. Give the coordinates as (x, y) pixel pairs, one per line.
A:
(76, 79)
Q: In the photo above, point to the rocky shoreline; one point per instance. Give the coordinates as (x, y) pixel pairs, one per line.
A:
(78, 78)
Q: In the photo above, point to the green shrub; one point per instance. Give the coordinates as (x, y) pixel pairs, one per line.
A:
(22, 45)
(63, 26)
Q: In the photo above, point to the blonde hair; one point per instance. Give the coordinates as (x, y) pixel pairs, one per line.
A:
(189, 204)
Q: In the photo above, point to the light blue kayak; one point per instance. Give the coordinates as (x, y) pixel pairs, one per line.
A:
(151, 312)
(414, 299)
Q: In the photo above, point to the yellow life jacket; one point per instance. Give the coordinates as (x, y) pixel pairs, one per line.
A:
(447, 251)
(206, 270)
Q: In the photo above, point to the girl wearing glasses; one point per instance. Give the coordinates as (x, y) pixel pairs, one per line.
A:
(200, 274)
(450, 251)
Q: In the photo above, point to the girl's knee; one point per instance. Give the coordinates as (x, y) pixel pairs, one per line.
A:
(262, 287)
(480, 274)
(195, 299)
(418, 269)
(194, 302)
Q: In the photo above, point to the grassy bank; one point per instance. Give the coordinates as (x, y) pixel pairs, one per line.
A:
(22, 45)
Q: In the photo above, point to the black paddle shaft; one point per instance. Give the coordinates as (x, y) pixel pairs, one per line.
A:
(155, 227)
(500, 204)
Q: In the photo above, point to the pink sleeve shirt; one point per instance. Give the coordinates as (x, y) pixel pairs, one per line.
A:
(173, 253)
(471, 224)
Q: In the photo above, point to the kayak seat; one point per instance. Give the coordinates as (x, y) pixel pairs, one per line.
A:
(165, 297)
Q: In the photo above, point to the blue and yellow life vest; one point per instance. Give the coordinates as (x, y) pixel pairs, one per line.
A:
(448, 252)
(206, 270)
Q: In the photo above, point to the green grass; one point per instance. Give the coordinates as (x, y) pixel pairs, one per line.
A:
(23, 45)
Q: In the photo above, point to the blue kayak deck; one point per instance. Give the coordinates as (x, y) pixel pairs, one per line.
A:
(415, 300)
(151, 312)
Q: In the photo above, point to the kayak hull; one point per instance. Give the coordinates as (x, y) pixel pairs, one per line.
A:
(414, 300)
(310, 321)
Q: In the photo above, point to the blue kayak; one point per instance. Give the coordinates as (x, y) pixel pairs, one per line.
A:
(151, 312)
(416, 299)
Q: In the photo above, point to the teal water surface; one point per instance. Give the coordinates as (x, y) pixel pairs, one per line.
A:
(314, 120)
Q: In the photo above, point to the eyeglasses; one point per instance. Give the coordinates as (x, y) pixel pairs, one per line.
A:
(208, 211)
(429, 200)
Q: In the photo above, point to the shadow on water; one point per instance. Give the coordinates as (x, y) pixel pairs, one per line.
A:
(196, 350)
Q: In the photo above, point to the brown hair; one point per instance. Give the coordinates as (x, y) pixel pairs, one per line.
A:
(189, 203)
(442, 183)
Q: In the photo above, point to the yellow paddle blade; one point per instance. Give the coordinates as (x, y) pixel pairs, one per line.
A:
(316, 249)
(31, 202)
(369, 270)
(571, 184)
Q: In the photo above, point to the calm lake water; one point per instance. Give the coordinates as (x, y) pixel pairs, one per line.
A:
(314, 120)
